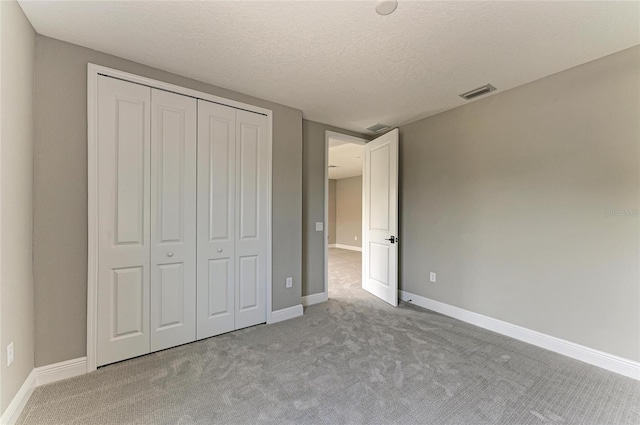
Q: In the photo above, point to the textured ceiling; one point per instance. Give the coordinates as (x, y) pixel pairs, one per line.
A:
(340, 62)
(347, 158)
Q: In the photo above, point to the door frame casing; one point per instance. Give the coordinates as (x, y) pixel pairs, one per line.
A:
(350, 139)
(93, 71)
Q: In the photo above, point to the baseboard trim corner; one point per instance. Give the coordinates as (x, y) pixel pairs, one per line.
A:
(312, 299)
(286, 313)
(13, 410)
(59, 371)
(349, 247)
(41, 376)
(610, 362)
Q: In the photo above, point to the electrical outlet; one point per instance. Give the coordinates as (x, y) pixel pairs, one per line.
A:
(355, 238)
(289, 282)
(10, 354)
(319, 226)
(432, 277)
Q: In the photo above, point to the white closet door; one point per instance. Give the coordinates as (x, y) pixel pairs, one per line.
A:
(173, 219)
(123, 205)
(216, 220)
(252, 158)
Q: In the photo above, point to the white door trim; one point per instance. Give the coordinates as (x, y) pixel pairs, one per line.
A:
(346, 138)
(92, 176)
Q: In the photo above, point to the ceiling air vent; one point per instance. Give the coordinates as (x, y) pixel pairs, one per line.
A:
(488, 88)
(378, 128)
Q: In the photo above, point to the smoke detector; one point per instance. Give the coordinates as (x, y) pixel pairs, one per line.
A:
(386, 7)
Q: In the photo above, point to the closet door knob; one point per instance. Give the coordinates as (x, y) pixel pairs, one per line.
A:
(169, 254)
(219, 249)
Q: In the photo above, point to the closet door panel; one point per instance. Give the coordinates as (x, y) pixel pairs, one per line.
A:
(123, 218)
(127, 289)
(216, 219)
(248, 282)
(251, 216)
(173, 219)
(170, 307)
(248, 172)
(220, 272)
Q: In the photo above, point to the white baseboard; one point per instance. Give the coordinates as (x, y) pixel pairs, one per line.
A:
(594, 357)
(312, 299)
(41, 376)
(286, 313)
(59, 371)
(349, 247)
(332, 245)
(13, 410)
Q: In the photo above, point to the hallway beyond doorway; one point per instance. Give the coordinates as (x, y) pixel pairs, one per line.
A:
(345, 272)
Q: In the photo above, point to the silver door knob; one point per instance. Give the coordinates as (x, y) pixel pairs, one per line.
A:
(169, 254)
(219, 249)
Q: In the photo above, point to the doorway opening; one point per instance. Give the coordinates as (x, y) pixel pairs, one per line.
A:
(344, 161)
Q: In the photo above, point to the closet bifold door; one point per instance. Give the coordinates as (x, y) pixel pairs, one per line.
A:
(123, 220)
(173, 219)
(252, 174)
(216, 219)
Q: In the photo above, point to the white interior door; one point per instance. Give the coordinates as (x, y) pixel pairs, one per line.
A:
(252, 180)
(380, 218)
(173, 219)
(124, 208)
(216, 218)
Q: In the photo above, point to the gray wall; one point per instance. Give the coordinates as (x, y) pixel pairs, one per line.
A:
(332, 211)
(313, 163)
(16, 198)
(507, 198)
(349, 211)
(60, 192)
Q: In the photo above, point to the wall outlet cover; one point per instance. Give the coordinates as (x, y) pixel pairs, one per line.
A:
(432, 277)
(289, 282)
(319, 226)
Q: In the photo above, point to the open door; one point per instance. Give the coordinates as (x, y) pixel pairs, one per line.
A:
(380, 218)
